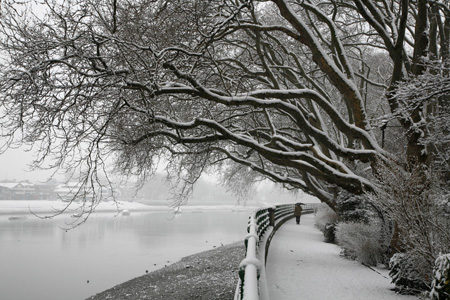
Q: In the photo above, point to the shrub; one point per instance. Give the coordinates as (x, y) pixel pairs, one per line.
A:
(329, 232)
(440, 288)
(324, 216)
(353, 208)
(418, 204)
(361, 241)
(406, 275)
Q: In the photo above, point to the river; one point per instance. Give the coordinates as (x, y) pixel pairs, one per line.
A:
(40, 260)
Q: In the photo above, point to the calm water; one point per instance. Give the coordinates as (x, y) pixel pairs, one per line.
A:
(39, 260)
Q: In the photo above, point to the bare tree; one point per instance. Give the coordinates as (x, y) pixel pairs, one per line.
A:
(289, 90)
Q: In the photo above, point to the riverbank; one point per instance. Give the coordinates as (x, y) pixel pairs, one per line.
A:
(211, 275)
(48, 207)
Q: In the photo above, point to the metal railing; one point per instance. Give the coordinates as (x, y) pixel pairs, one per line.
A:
(262, 225)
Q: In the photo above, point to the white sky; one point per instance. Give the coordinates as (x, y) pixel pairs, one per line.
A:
(14, 166)
(14, 162)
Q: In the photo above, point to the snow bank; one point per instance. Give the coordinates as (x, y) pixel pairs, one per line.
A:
(25, 207)
(12, 207)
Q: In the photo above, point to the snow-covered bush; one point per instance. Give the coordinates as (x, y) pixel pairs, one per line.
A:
(405, 274)
(440, 287)
(329, 233)
(326, 220)
(417, 204)
(361, 241)
(353, 208)
(324, 215)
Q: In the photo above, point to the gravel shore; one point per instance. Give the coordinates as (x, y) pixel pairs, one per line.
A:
(208, 275)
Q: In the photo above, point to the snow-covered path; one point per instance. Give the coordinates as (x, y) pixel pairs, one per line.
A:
(301, 266)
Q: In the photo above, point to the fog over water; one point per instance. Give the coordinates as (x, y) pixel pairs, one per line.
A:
(41, 261)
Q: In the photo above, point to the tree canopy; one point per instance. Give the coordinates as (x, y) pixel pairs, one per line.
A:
(304, 93)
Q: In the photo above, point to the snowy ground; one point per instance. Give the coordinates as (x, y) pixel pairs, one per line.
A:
(209, 275)
(301, 266)
(46, 207)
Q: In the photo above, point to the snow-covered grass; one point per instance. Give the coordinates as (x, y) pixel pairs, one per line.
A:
(301, 265)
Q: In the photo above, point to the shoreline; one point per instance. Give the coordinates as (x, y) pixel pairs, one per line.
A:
(212, 275)
(38, 207)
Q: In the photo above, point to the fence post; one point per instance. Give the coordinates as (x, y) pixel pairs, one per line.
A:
(271, 216)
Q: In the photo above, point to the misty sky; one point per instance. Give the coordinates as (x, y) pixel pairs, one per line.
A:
(13, 166)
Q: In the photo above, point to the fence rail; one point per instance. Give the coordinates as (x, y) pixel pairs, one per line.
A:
(262, 225)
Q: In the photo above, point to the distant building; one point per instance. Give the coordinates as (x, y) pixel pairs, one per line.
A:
(6, 190)
(74, 191)
(45, 191)
(67, 191)
(17, 191)
(26, 191)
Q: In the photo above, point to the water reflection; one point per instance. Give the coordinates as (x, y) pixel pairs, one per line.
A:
(39, 260)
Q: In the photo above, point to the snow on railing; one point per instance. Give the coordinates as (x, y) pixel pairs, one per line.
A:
(261, 226)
